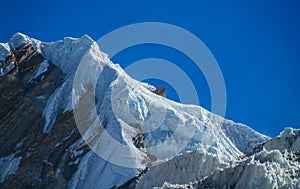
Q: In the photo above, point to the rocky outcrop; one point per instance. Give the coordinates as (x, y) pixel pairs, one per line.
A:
(161, 91)
(45, 161)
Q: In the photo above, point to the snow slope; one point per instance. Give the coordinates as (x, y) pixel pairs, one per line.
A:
(111, 109)
(131, 107)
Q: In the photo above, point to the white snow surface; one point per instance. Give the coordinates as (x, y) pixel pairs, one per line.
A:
(129, 107)
(192, 166)
(5, 70)
(95, 172)
(266, 169)
(66, 53)
(19, 40)
(270, 169)
(289, 139)
(8, 165)
(41, 70)
(4, 51)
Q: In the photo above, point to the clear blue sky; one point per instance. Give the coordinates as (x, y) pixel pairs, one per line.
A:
(256, 43)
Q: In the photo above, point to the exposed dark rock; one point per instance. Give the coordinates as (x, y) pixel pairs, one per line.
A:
(138, 140)
(45, 157)
(161, 91)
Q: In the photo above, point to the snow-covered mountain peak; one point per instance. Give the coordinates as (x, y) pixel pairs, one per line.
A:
(64, 53)
(19, 40)
(130, 109)
(288, 132)
(110, 129)
(67, 53)
(169, 128)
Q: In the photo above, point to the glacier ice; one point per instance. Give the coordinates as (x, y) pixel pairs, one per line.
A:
(289, 139)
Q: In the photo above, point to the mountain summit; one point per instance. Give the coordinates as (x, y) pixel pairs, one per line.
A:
(70, 118)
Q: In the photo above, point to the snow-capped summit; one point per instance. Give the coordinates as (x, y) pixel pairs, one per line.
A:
(67, 53)
(88, 124)
(19, 40)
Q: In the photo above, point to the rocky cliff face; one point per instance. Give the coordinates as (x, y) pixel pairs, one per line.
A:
(70, 118)
(29, 157)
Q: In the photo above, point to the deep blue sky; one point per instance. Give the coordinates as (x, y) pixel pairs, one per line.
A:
(257, 45)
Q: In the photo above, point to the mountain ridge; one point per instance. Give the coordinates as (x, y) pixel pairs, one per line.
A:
(61, 77)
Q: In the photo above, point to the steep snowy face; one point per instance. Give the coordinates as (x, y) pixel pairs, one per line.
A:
(182, 169)
(169, 128)
(67, 53)
(289, 139)
(243, 137)
(8, 165)
(129, 108)
(19, 40)
(128, 128)
(4, 51)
